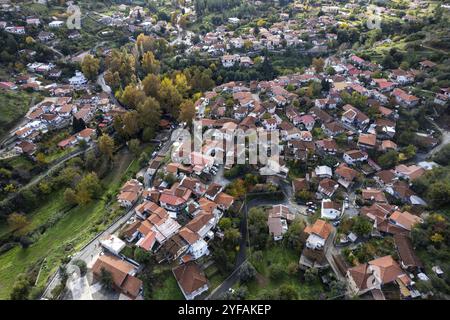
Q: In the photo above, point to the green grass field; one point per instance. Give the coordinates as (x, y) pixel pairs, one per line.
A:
(169, 289)
(278, 254)
(13, 106)
(68, 235)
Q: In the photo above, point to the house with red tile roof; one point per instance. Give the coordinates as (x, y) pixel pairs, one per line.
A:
(318, 234)
(123, 274)
(373, 275)
(190, 279)
(405, 99)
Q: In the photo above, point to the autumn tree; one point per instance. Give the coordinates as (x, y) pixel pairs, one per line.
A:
(29, 40)
(187, 112)
(132, 96)
(17, 221)
(169, 97)
(134, 146)
(183, 22)
(200, 79)
(123, 63)
(90, 66)
(149, 116)
(151, 85)
(181, 84)
(131, 125)
(318, 64)
(41, 159)
(106, 145)
(314, 89)
(90, 184)
(150, 64)
(143, 44)
(112, 79)
(70, 196)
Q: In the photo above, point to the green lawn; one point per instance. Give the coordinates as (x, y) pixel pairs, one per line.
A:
(68, 235)
(169, 289)
(13, 106)
(278, 254)
(40, 216)
(58, 154)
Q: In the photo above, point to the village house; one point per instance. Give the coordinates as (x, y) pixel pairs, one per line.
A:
(56, 24)
(404, 219)
(367, 141)
(224, 201)
(404, 99)
(197, 246)
(353, 116)
(401, 76)
(318, 234)
(191, 280)
(323, 172)
(300, 184)
(277, 221)
(328, 187)
(427, 64)
(328, 146)
(313, 254)
(112, 244)
(130, 193)
(25, 147)
(213, 191)
(409, 172)
(159, 227)
(175, 198)
(122, 272)
(331, 210)
(307, 121)
(333, 129)
(373, 195)
(229, 61)
(355, 156)
(345, 175)
(78, 79)
(16, 30)
(45, 36)
(409, 261)
(35, 22)
(373, 275)
(203, 223)
(385, 177)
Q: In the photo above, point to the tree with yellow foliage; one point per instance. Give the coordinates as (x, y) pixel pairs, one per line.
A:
(150, 64)
(90, 66)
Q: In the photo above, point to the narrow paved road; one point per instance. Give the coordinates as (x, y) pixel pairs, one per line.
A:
(445, 139)
(243, 245)
(93, 248)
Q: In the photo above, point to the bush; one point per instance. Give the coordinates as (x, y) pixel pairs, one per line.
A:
(311, 275)
(277, 271)
(82, 266)
(247, 273)
(292, 268)
(443, 156)
(21, 288)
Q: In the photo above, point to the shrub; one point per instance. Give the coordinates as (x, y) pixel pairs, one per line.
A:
(82, 266)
